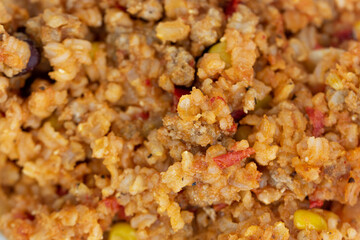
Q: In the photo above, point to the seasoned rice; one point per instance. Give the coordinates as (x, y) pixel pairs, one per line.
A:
(180, 119)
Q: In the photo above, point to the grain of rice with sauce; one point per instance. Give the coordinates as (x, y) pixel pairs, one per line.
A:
(180, 119)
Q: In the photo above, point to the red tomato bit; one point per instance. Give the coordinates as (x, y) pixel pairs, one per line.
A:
(231, 158)
(212, 100)
(230, 8)
(148, 82)
(118, 209)
(118, 6)
(317, 121)
(316, 203)
(238, 115)
(218, 207)
(178, 93)
(111, 203)
(344, 35)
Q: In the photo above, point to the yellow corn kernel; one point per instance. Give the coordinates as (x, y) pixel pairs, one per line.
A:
(220, 48)
(122, 231)
(94, 48)
(306, 219)
(334, 81)
(54, 122)
(263, 103)
(356, 30)
(242, 132)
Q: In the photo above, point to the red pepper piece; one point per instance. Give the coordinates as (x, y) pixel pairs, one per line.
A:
(218, 207)
(118, 209)
(118, 6)
(178, 92)
(212, 100)
(233, 128)
(231, 158)
(316, 203)
(238, 115)
(148, 82)
(24, 216)
(61, 191)
(111, 203)
(317, 121)
(344, 35)
(230, 8)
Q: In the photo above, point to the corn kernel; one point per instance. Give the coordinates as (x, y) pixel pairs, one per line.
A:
(94, 48)
(356, 30)
(220, 48)
(263, 103)
(54, 122)
(242, 132)
(306, 219)
(122, 231)
(334, 81)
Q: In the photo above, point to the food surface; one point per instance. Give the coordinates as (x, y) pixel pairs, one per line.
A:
(180, 119)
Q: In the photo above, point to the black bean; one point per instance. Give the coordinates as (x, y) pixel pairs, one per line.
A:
(34, 58)
(351, 180)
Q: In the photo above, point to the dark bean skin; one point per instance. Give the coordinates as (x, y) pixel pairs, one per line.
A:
(34, 58)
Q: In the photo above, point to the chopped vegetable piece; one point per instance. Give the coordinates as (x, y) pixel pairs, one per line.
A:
(242, 132)
(316, 203)
(94, 48)
(54, 122)
(121, 214)
(122, 231)
(178, 92)
(334, 81)
(343, 35)
(356, 30)
(220, 48)
(231, 158)
(230, 8)
(141, 115)
(238, 115)
(317, 121)
(306, 219)
(111, 203)
(218, 207)
(263, 103)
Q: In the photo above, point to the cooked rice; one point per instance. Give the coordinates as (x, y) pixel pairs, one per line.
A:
(130, 111)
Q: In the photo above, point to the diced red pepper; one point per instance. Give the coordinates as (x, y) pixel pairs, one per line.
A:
(118, 6)
(192, 63)
(231, 158)
(344, 35)
(218, 207)
(24, 216)
(230, 8)
(178, 92)
(318, 46)
(118, 209)
(316, 203)
(111, 203)
(212, 100)
(148, 82)
(238, 115)
(142, 115)
(233, 128)
(121, 214)
(317, 121)
(61, 191)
